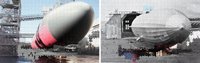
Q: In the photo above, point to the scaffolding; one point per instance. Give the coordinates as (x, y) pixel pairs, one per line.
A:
(9, 26)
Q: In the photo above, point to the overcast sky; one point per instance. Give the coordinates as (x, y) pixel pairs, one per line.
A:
(189, 7)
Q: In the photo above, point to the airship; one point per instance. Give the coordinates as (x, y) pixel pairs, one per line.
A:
(66, 24)
(161, 29)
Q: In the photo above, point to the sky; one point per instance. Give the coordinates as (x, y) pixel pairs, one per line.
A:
(189, 7)
(34, 7)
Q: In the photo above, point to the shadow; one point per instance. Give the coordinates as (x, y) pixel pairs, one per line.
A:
(51, 59)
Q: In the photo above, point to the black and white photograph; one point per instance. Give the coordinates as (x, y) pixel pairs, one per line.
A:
(150, 31)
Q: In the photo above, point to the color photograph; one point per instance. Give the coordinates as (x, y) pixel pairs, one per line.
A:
(49, 31)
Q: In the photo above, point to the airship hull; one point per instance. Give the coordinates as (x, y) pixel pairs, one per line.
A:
(67, 24)
(161, 29)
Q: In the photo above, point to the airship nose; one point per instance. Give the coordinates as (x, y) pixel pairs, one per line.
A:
(66, 24)
(72, 20)
(65, 17)
(178, 21)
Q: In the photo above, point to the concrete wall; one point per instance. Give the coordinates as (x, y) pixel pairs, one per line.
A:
(113, 27)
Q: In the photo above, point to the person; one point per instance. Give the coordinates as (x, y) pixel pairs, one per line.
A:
(134, 58)
(127, 55)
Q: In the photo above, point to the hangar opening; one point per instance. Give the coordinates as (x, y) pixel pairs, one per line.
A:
(127, 20)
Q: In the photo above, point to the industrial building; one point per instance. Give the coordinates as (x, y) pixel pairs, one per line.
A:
(118, 25)
(10, 26)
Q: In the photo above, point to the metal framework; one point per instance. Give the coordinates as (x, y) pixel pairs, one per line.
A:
(9, 26)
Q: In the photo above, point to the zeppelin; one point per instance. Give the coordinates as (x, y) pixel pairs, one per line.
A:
(161, 28)
(67, 24)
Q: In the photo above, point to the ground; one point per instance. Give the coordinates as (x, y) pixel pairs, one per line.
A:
(42, 56)
(109, 54)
